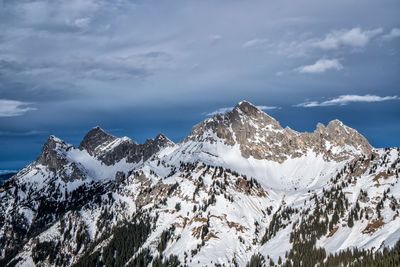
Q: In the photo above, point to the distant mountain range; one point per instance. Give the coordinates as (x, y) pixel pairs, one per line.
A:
(6, 174)
(239, 190)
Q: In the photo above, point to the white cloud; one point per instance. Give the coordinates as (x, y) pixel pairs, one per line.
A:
(220, 111)
(394, 33)
(355, 37)
(320, 66)
(346, 99)
(267, 107)
(226, 109)
(215, 38)
(305, 45)
(81, 22)
(12, 108)
(7, 171)
(254, 43)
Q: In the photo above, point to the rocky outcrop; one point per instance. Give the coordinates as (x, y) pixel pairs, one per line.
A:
(125, 148)
(95, 140)
(152, 146)
(100, 145)
(52, 153)
(119, 149)
(54, 157)
(110, 149)
(260, 136)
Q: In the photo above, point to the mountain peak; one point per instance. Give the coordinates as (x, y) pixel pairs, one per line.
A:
(163, 139)
(53, 156)
(95, 137)
(154, 145)
(160, 136)
(54, 143)
(336, 126)
(248, 109)
(336, 123)
(245, 125)
(53, 138)
(228, 180)
(245, 107)
(97, 129)
(262, 137)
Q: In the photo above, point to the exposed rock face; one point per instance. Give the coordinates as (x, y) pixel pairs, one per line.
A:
(261, 136)
(110, 149)
(119, 177)
(54, 157)
(337, 134)
(52, 153)
(95, 139)
(152, 146)
(119, 149)
(106, 148)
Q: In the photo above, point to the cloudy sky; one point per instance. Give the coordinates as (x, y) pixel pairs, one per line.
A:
(137, 68)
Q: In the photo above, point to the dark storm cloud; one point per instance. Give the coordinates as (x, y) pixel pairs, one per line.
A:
(151, 66)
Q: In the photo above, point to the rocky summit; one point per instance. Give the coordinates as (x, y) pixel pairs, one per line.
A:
(261, 136)
(239, 190)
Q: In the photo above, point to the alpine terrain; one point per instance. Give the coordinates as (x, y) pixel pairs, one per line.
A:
(238, 190)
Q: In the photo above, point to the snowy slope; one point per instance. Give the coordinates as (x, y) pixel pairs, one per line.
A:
(207, 200)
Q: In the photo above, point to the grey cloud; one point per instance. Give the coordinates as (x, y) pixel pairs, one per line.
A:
(124, 62)
(38, 91)
(102, 68)
(9, 66)
(134, 65)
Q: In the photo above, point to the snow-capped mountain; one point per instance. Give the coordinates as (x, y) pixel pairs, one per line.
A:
(239, 189)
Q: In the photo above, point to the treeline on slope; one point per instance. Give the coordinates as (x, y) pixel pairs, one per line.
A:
(126, 240)
(257, 260)
(312, 227)
(126, 247)
(50, 205)
(80, 196)
(304, 237)
(327, 211)
(353, 258)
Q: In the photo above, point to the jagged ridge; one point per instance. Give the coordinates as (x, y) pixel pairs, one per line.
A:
(262, 137)
(198, 199)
